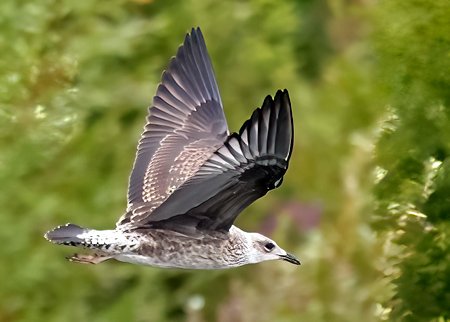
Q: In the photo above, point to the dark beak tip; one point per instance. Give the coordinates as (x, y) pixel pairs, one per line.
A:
(296, 262)
(291, 259)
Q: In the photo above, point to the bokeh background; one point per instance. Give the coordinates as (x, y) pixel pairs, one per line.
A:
(365, 203)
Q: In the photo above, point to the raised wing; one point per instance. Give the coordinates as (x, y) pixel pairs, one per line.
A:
(186, 124)
(245, 168)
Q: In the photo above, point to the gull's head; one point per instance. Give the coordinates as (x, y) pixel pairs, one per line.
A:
(263, 249)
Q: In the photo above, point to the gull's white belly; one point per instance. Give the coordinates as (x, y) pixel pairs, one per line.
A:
(185, 264)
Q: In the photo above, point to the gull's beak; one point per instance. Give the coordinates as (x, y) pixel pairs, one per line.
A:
(290, 258)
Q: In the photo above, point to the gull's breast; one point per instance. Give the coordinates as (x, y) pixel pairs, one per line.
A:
(175, 251)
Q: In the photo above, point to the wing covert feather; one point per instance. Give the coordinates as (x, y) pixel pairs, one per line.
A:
(185, 125)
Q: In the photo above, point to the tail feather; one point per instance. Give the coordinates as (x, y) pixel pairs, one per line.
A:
(66, 234)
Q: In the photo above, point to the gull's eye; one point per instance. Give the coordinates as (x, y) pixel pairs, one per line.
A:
(269, 246)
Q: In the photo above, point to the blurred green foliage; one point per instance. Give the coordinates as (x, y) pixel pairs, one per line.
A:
(369, 83)
(413, 155)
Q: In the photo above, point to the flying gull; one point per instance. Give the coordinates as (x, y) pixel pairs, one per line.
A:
(191, 178)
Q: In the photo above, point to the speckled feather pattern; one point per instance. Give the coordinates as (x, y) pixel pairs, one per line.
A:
(162, 248)
(214, 250)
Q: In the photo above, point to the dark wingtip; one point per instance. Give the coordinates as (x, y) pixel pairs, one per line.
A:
(287, 132)
(196, 36)
(276, 137)
(268, 100)
(195, 30)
